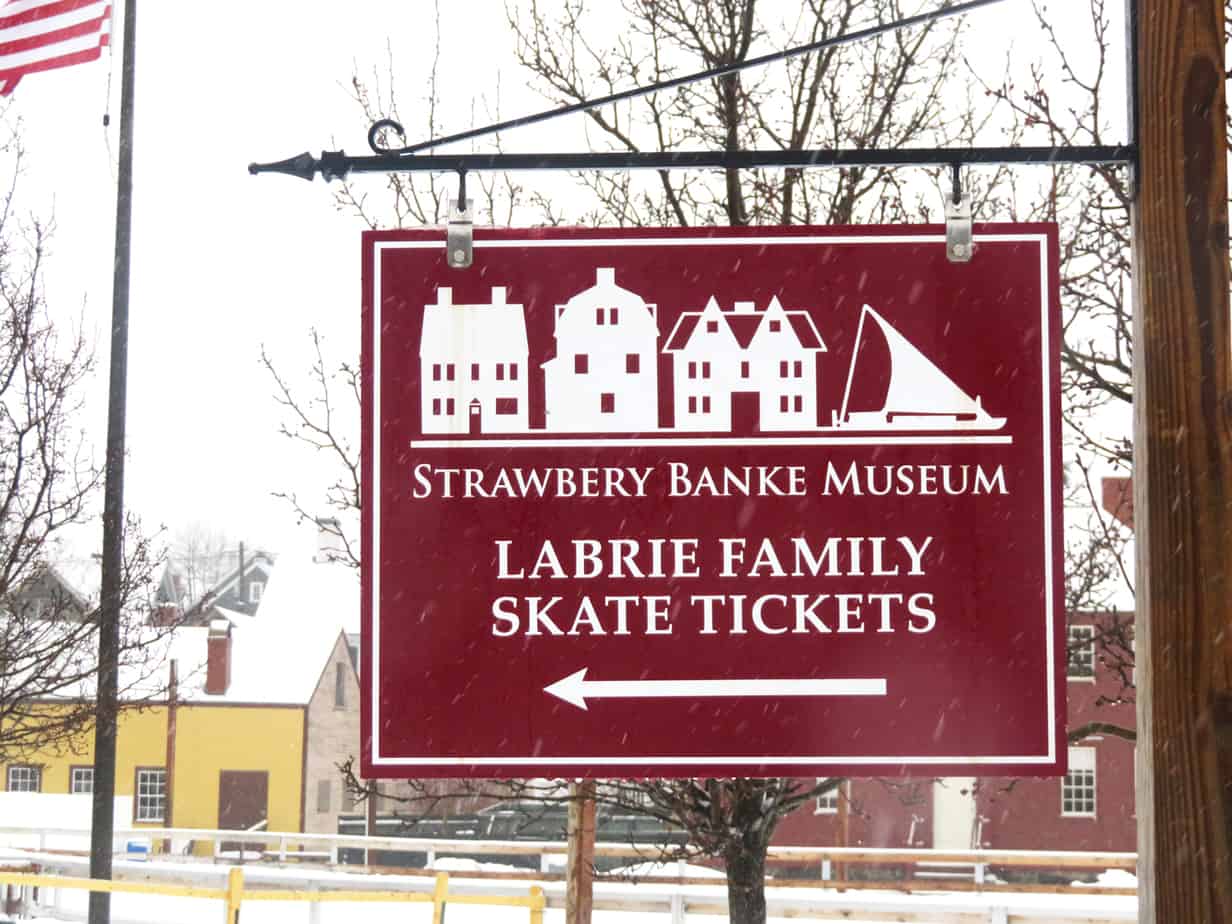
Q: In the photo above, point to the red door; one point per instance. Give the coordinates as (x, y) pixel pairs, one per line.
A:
(243, 804)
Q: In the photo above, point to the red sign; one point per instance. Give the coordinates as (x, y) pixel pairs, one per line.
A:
(721, 502)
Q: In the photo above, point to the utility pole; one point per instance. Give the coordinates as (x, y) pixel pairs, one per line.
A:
(1182, 465)
(102, 825)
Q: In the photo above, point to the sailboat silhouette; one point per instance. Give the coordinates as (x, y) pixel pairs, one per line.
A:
(919, 397)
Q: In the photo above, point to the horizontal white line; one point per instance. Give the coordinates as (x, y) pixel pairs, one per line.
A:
(50, 23)
(713, 442)
(695, 760)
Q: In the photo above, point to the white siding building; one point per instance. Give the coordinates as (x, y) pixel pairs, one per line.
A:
(604, 377)
(473, 366)
(763, 359)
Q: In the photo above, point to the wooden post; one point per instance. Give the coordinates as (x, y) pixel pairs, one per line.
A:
(1182, 470)
(169, 803)
(235, 893)
(580, 873)
(539, 902)
(844, 828)
(440, 897)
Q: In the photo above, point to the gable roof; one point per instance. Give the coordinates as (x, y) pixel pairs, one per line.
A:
(744, 320)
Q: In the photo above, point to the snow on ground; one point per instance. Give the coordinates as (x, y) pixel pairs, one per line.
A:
(464, 865)
(1112, 878)
(40, 812)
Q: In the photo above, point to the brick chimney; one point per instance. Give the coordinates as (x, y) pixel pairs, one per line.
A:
(218, 657)
(1118, 499)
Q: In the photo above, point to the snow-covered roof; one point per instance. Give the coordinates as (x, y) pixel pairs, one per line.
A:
(278, 656)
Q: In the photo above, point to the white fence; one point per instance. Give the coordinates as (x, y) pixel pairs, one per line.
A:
(287, 864)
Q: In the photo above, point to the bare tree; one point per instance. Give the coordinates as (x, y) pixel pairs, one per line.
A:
(314, 422)
(48, 485)
(200, 555)
(887, 93)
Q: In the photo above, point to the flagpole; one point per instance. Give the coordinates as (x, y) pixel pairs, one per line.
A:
(103, 821)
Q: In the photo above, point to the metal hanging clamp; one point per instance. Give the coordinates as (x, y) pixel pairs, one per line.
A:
(958, 244)
(459, 234)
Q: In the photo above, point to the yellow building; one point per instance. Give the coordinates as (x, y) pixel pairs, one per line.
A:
(233, 746)
(233, 765)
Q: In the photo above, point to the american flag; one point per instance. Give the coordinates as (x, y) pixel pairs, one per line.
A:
(41, 35)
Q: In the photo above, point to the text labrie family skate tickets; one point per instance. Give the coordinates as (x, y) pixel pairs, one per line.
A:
(816, 568)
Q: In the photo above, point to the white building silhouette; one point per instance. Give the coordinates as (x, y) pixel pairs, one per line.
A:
(745, 368)
(604, 377)
(473, 366)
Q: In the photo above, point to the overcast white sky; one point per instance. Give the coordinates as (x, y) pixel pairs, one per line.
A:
(224, 262)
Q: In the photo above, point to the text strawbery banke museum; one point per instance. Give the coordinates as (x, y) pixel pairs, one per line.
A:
(723, 502)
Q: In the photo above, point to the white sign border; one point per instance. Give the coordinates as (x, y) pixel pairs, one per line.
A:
(374, 662)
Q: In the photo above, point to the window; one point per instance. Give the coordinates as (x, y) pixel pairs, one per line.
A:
(798, 368)
(692, 404)
(692, 370)
(581, 363)
(513, 372)
(827, 802)
(436, 372)
(150, 794)
(1078, 787)
(705, 370)
(782, 404)
(599, 316)
(474, 372)
(613, 315)
(607, 403)
(712, 327)
(783, 369)
(449, 406)
(744, 369)
(633, 362)
(340, 697)
(449, 370)
(1080, 653)
(81, 780)
(323, 795)
(776, 326)
(255, 589)
(24, 778)
(705, 404)
(506, 405)
(797, 403)
(436, 406)
(500, 372)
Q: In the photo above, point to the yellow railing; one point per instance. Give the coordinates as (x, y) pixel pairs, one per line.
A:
(235, 894)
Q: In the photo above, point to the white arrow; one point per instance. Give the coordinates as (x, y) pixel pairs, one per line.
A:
(576, 689)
